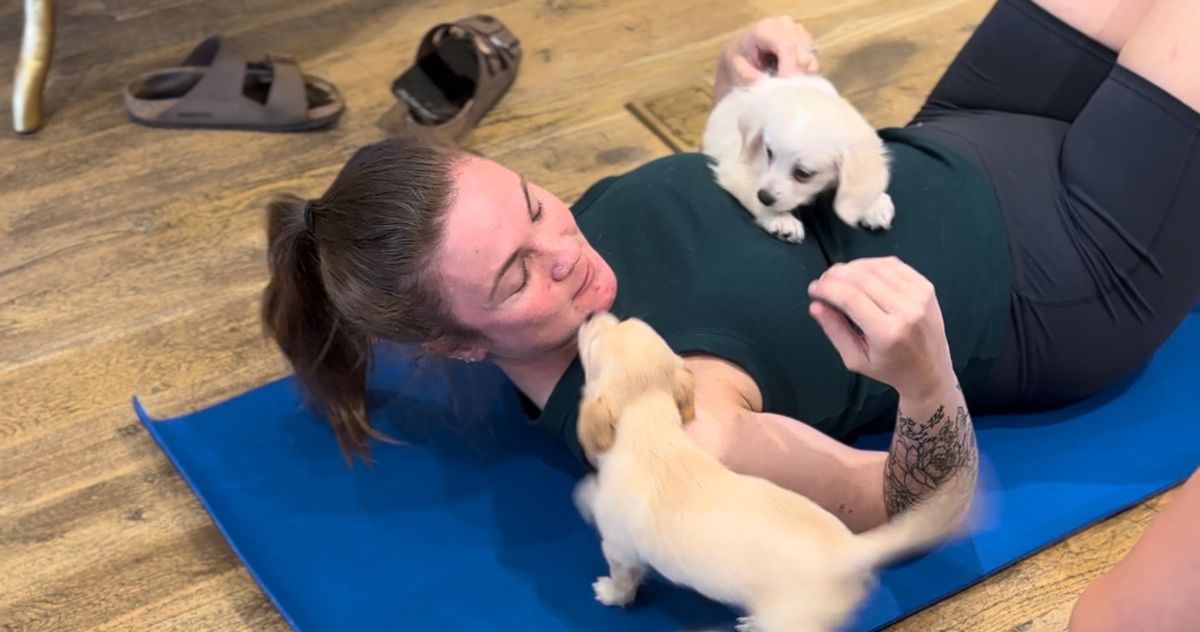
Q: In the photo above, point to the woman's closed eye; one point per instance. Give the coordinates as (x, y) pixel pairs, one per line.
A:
(537, 215)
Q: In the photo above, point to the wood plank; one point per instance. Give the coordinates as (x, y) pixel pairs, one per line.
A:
(1038, 593)
(678, 115)
(59, 418)
(115, 582)
(230, 601)
(886, 78)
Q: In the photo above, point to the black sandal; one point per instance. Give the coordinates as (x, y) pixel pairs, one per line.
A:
(460, 72)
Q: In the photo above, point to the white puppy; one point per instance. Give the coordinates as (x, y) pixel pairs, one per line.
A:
(659, 500)
(781, 141)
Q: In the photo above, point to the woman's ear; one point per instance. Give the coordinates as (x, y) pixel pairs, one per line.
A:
(597, 425)
(685, 392)
(458, 350)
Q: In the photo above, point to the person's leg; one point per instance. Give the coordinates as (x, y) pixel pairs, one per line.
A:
(1037, 60)
(1131, 175)
(1165, 50)
(1129, 200)
(1102, 211)
(1109, 22)
(1157, 585)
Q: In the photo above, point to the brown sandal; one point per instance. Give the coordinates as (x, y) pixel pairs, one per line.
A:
(215, 88)
(461, 71)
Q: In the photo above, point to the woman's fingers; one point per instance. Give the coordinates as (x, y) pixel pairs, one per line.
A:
(887, 272)
(776, 45)
(903, 341)
(851, 300)
(898, 272)
(884, 292)
(744, 71)
(787, 56)
(849, 345)
(805, 45)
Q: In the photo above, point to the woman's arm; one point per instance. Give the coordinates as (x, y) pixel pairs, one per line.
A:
(899, 339)
(862, 487)
(796, 456)
(902, 344)
(773, 45)
(933, 441)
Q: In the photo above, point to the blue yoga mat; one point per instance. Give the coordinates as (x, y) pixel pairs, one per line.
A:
(471, 525)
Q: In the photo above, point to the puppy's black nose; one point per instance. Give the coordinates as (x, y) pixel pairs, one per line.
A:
(590, 317)
(766, 198)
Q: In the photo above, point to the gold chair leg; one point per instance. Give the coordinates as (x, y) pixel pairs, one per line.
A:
(37, 46)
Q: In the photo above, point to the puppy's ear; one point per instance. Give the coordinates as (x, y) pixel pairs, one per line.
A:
(685, 392)
(862, 178)
(597, 425)
(752, 142)
(750, 125)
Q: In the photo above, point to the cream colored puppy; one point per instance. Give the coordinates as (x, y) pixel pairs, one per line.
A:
(781, 141)
(660, 501)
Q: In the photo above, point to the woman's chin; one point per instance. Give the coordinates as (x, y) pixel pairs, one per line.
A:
(606, 290)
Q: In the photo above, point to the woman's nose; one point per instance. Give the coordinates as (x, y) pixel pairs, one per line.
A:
(565, 254)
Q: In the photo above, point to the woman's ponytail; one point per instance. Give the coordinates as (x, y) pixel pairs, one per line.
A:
(330, 359)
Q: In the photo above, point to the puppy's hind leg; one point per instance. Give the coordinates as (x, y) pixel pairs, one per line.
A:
(625, 572)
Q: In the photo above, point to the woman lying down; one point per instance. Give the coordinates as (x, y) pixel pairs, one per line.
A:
(1046, 209)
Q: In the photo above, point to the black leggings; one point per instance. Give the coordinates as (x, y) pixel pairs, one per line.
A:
(1097, 172)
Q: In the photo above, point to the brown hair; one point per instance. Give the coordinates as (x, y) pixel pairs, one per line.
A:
(352, 267)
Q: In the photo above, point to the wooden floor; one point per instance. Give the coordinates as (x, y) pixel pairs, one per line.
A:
(131, 261)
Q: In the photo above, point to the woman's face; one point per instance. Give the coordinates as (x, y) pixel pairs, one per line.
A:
(515, 266)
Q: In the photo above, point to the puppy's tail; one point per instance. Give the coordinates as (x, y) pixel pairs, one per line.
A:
(943, 515)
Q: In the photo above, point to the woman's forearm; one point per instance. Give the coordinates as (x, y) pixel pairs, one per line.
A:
(798, 457)
(934, 441)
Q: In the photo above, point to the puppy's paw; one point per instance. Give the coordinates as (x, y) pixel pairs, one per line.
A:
(747, 624)
(786, 227)
(610, 594)
(880, 214)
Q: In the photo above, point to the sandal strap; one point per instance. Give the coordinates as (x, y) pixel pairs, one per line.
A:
(288, 98)
(205, 52)
(496, 47)
(219, 90)
(218, 98)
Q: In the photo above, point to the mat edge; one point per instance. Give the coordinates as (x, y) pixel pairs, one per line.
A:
(150, 422)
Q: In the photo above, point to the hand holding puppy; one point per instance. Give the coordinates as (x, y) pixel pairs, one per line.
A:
(903, 340)
(775, 45)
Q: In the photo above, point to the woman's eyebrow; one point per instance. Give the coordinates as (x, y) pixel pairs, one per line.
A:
(516, 253)
(528, 202)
